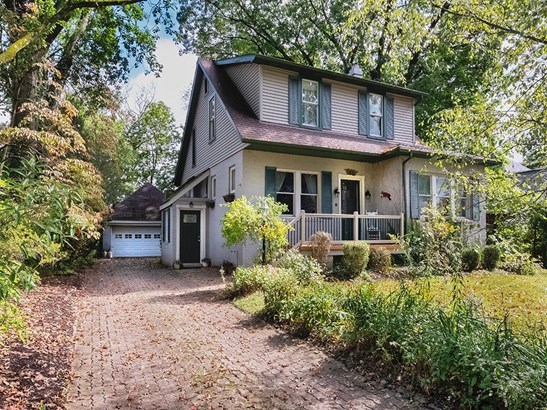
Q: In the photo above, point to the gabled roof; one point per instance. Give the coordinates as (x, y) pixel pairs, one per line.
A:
(312, 72)
(141, 205)
(288, 138)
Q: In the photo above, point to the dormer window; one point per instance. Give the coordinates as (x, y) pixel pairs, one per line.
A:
(376, 112)
(310, 103)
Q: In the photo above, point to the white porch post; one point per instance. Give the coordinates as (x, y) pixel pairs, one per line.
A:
(402, 224)
(355, 225)
(303, 226)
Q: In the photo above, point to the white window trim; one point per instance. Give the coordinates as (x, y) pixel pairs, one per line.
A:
(212, 129)
(232, 180)
(317, 104)
(214, 187)
(382, 131)
(297, 198)
(454, 197)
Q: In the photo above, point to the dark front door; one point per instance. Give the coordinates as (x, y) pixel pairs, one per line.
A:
(349, 204)
(190, 236)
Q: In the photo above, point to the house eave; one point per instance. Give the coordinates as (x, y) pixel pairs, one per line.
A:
(134, 223)
(312, 72)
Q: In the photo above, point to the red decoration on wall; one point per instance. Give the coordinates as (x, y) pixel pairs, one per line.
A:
(385, 195)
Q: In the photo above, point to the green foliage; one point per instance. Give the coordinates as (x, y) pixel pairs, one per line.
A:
(354, 261)
(454, 353)
(519, 263)
(248, 280)
(491, 255)
(257, 220)
(305, 269)
(433, 247)
(471, 258)
(379, 260)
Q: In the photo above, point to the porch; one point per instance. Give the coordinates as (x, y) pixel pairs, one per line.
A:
(379, 231)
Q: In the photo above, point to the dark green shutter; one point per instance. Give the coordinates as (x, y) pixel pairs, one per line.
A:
(294, 100)
(270, 181)
(325, 106)
(326, 192)
(363, 113)
(414, 197)
(389, 118)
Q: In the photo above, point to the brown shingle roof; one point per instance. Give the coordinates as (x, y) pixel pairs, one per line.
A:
(253, 130)
(141, 205)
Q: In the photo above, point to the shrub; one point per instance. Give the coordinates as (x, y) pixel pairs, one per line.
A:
(279, 289)
(321, 243)
(355, 259)
(491, 256)
(519, 263)
(471, 259)
(305, 269)
(248, 280)
(433, 247)
(379, 260)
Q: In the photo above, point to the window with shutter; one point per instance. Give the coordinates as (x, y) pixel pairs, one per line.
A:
(309, 103)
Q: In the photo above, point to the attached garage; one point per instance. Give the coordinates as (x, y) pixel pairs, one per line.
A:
(135, 227)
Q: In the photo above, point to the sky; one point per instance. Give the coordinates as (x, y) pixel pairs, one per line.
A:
(174, 82)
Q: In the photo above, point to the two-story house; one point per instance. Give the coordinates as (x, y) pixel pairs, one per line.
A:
(338, 149)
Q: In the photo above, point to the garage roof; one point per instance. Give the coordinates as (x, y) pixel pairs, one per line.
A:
(141, 205)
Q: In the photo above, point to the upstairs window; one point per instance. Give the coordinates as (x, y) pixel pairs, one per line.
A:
(310, 103)
(213, 187)
(193, 148)
(212, 119)
(205, 86)
(376, 113)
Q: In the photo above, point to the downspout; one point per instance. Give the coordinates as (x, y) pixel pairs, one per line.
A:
(404, 191)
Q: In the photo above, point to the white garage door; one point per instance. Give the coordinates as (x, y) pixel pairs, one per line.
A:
(135, 241)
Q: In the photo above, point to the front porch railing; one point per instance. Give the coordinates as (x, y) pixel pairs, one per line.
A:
(355, 227)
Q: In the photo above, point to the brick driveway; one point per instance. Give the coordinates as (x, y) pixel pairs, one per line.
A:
(148, 337)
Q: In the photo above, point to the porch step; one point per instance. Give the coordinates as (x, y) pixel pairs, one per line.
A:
(338, 248)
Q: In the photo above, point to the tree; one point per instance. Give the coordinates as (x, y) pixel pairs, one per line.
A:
(155, 139)
(259, 221)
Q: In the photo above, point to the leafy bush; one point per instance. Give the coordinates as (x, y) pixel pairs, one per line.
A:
(433, 246)
(454, 352)
(321, 244)
(491, 256)
(471, 259)
(355, 259)
(379, 260)
(519, 263)
(248, 280)
(305, 269)
(258, 220)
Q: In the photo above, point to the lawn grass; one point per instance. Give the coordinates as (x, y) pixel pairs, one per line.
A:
(523, 299)
(252, 303)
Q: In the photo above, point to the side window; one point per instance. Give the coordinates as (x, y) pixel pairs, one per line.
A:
(166, 225)
(424, 191)
(284, 182)
(193, 148)
(205, 86)
(232, 179)
(212, 119)
(213, 187)
(308, 196)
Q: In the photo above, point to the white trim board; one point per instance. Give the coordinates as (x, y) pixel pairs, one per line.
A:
(134, 223)
(184, 189)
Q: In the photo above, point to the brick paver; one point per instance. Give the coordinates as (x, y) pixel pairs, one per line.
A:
(154, 338)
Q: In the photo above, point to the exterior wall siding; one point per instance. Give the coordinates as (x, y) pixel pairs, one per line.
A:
(275, 95)
(247, 79)
(344, 108)
(227, 142)
(275, 106)
(404, 119)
